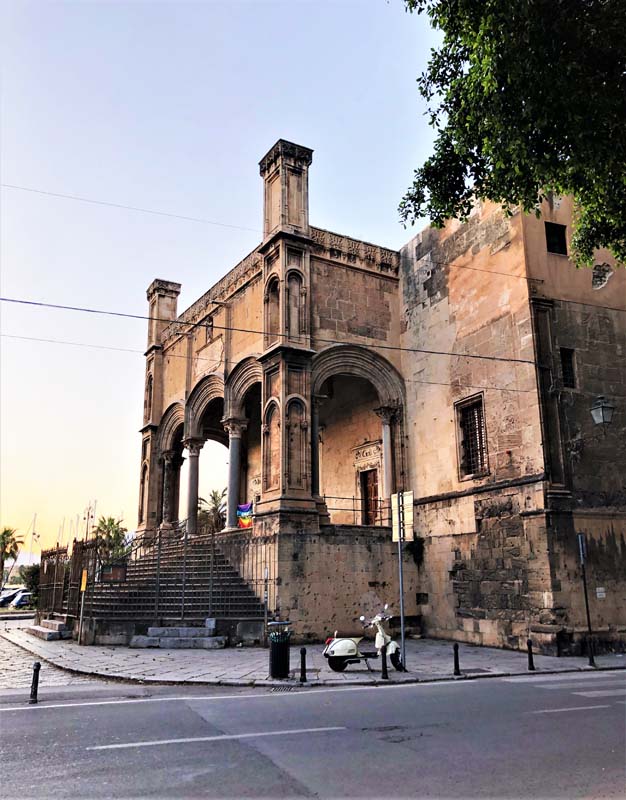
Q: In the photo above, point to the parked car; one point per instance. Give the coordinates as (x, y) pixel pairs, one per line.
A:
(22, 600)
(9, 595)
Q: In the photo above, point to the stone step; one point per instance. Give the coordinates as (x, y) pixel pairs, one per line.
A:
(179, 643)
(182, 632)
(43, 633)
(54, 625)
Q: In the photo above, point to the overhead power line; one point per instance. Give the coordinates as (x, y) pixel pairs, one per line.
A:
(129, 208)
(89, 345)
(389, 347)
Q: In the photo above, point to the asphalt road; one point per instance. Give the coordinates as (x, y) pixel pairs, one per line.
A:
(532, 737)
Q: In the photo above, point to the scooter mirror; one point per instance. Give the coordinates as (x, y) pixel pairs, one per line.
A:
(361, 618)
(386, 606)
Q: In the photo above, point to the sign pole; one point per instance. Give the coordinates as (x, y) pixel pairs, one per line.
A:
(582, 551)
(401, 533)
(83, 587)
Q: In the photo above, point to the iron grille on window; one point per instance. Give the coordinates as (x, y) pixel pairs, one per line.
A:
(567, 368)
(473, 438)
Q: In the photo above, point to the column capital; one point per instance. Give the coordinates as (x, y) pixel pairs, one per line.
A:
(168, 456)
(386, 413)
(193, 446)
(235, 427)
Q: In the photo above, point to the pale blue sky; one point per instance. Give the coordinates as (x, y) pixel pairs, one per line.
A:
(168, 106)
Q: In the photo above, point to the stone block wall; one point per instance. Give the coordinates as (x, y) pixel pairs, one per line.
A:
(328, 579)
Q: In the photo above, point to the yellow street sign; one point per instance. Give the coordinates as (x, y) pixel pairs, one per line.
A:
(83, 580)
(402, 513)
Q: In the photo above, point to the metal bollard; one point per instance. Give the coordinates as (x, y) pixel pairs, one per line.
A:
(303, 665)
(531, 661)
(34, 687)
(383, 654)
(457, 669)
(592, 661)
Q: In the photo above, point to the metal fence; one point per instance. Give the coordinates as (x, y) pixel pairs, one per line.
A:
(358, 510)
(167, 575)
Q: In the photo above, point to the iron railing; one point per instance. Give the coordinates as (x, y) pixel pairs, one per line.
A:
(358, 511)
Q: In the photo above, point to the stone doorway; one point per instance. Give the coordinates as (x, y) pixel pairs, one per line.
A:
(369, 496)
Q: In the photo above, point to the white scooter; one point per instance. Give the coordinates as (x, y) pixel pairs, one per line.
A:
(343, 650)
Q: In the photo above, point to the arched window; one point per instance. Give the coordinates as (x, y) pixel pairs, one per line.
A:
(271, 449)
(143, 492)
(272, 312)
(295, 306)
(147, 405)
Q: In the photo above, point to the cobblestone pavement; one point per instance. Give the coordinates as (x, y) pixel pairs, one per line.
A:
(427, 659)
(16, 670)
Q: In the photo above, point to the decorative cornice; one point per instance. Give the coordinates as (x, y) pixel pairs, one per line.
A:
(163, 287)
(288, 150)
(355, 252)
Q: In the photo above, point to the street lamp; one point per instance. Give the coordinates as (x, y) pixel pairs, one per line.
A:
(602, 411)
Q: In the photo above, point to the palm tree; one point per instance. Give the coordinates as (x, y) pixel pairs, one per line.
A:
(111, 539)
(9, 548)
(212, 512)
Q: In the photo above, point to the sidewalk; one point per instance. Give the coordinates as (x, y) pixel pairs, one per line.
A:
(427, 660)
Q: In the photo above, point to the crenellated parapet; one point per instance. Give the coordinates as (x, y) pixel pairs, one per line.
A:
(354, 252)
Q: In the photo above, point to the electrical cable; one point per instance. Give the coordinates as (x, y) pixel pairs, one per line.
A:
(395, 348)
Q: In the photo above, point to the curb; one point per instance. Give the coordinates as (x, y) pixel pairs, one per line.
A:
(293, 683)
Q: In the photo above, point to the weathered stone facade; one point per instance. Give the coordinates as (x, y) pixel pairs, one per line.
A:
(462, 367)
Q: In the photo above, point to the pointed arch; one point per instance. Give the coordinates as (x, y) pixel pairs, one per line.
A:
(204, 392)
(171, 421)
(241, 379)
(350, 359)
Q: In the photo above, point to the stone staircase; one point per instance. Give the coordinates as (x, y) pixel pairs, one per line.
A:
(182, 585)
(179, 637)
(50, 630)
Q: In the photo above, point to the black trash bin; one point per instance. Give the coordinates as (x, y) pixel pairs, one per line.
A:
(279, 635)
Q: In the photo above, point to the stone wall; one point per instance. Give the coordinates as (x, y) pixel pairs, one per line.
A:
(328, 579)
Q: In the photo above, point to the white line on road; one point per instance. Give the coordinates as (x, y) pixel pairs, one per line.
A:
(560, 710)
(566, 676)
(603, 693)
(304, 692)
(221, 738)
(603, 683)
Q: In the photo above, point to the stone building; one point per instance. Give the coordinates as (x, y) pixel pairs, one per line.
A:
(462, 367)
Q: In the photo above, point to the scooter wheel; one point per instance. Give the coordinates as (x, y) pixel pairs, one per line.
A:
(337, 664)
(396, 661)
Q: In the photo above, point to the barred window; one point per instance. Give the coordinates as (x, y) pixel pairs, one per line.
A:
(567, 368)
(473, 437)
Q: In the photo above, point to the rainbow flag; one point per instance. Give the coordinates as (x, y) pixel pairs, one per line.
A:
(244, 515)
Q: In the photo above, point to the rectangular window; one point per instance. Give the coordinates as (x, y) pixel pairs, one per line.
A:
(567, 368)
(555, 238)
(472, 437)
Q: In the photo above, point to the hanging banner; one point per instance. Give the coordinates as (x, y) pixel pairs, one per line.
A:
(244, 515)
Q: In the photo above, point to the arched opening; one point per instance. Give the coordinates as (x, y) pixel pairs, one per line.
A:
(350, 451)
(147, 405)
(143, 494)
(250, 491)
(271, 448)
(272, 312)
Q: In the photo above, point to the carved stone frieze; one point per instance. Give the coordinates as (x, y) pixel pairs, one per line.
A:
(355, 252)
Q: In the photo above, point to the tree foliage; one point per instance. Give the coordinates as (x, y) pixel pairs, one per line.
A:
(112, 542)
(212, 512)
(10, 545)
(527, 98)
(30, 578)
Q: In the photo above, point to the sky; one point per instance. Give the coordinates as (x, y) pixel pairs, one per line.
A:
(168, 107)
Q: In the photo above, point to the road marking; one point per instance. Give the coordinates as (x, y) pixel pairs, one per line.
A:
(556, 686)
(603, 693)
(312, 691)
(566, 676)
(221, 738)
(560, 710)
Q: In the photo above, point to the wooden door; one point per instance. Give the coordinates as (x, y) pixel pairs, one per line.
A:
(369, 496)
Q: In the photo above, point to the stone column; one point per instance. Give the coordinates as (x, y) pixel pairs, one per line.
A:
(386, 415)
(168, 474)
(193, 446)
(235, 428)
(315, 447)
